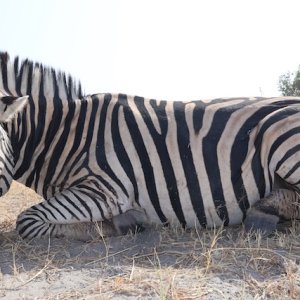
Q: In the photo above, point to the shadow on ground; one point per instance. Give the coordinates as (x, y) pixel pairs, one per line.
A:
(154, 264)
(26, 256)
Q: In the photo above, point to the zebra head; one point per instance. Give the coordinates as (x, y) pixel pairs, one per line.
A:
(9, 106)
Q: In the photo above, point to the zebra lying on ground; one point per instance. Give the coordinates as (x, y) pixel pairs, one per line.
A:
(124, 161)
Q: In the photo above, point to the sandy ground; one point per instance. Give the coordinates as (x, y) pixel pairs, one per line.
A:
(154, 264)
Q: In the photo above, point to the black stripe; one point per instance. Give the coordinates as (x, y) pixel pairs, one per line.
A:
(61, 202)
(4, 58)
(81, 161)
(43, 229)
(211, 161)
(44, 206)
(121, 152)
(6, 158)
(96, 181)
(51, 229)
(18, 140)
(51, 134)
(16, 70)
(58, 210)
(29, 225)
(79, 129)
(36, 136)
(98, 191)
(76, 143)
(83, 203)
(36, 211)
(75, 167)
(42, 111)
(159, 140)
(101, 155)
(96, 202)
(239, 152)
(143, 156)
(183, 141)
(34, 230)
(281, 139)
(243, 100)
(198, 113)
(61, 143)
(74, 205)
(292, 170)
(257, 168)
(19, 79)
(287, 155)
(7, 183)
(29, 79)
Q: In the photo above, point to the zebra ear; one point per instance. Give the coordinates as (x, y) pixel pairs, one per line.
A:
(10, 105)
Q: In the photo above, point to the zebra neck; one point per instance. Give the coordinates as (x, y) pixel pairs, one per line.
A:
(46, 129)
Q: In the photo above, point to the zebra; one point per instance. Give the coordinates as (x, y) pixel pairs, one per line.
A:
(121, 162)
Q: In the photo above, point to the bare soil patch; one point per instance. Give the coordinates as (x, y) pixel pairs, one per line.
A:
(158, 263)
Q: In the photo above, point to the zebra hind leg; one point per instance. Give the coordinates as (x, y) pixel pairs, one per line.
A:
(264, 215)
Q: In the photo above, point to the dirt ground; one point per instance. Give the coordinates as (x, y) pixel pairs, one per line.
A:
(154, 264)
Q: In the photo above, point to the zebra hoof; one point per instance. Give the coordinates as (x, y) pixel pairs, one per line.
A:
(130, 221)
(260, 222)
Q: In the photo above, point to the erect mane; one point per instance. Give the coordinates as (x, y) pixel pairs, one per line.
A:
(30, 78)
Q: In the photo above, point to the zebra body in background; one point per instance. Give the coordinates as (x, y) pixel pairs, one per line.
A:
(125, 160)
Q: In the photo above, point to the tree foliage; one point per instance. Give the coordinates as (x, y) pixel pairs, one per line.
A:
(289, 83)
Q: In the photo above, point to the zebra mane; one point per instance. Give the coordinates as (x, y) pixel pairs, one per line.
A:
(30, 78)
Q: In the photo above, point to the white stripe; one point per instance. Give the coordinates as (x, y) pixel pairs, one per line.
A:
(159, 178)
(127, 141)
(196, 146)
(153, 116)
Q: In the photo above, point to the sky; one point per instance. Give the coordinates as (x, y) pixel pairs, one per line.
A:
(164, 49)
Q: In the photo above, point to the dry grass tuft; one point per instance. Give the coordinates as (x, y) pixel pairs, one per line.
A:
(156, 264)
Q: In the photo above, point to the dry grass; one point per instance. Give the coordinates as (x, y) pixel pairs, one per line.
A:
(156, 264)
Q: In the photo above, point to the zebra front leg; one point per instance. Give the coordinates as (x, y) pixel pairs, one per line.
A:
(32, 224)
(72, 214)
(77, 215)
(264, 215)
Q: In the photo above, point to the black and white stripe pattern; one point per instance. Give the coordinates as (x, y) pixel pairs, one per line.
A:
(98, 156)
